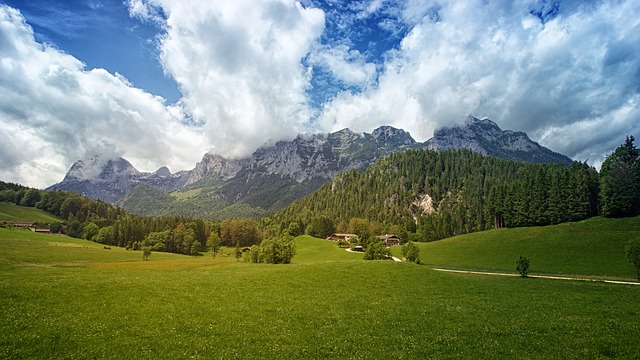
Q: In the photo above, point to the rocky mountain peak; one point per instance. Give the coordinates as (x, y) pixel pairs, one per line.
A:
(215, 166)
(387, 133)
(163, 171)
(98, 168)
(487, 138)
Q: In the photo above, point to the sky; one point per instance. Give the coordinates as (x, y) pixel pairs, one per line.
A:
(162, 82)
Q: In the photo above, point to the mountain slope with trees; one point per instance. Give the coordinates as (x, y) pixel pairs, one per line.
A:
(429, 195)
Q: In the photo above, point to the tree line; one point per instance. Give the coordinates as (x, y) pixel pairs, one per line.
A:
(110, 225)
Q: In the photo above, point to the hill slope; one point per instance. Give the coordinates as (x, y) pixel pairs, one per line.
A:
(593, 247)
(11, 212)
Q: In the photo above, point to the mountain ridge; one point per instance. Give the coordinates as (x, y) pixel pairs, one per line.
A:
(278, 173)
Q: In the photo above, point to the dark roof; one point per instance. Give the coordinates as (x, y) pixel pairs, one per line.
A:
(387, 237)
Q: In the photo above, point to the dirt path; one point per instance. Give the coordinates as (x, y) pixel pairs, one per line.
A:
(539, 276)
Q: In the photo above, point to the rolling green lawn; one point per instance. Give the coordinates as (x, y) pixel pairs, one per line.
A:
(69, 298)
(11, 212)
(310, 250)
(591, 248)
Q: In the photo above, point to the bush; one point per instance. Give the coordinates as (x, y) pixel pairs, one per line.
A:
(377, 251)
(632, 251)
(256, 254)
(411, 252)
(522, 266)
(278, 250)
(146, 252)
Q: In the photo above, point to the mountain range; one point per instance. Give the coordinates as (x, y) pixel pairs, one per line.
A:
(277, 174)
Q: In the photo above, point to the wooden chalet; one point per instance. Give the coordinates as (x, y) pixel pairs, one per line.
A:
(389, 240)
(345, 237)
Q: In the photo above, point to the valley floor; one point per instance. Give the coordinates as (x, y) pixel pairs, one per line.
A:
(68, 298)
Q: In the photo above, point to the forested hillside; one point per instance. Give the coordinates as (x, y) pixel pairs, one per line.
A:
(108, 224)
(429, 195)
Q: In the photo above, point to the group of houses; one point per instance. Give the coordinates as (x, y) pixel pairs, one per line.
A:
(388, 240)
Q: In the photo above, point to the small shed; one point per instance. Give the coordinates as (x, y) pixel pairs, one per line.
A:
(389, 240)
(41, 231)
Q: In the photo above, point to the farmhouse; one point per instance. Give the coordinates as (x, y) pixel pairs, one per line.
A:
(21, 224)
(345, 237)
(389, 240)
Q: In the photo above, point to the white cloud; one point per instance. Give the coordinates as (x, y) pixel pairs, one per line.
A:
(573, 73)
(567, 76)
(238, 65)
(347, 66)
(53, 111)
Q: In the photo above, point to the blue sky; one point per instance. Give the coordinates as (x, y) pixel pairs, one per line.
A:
(102, 35)
(161, 82)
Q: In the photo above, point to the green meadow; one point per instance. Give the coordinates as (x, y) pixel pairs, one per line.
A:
(67, 298)
(591, 248)
(11, 212)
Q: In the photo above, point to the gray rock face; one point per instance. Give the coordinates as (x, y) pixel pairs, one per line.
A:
(277, 174)
(215, 166)
(110, 180)
(308, 156)
(485, 137)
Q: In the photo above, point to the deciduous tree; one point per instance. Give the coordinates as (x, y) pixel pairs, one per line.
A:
(411, 252)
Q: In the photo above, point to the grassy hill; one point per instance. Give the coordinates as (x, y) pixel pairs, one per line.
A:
(593, 247)
(69, 298)
(11, 212)
(310, 250)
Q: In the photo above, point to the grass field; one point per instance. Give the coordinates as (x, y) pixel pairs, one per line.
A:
(591, 248)
(11, 212)
(69, 298)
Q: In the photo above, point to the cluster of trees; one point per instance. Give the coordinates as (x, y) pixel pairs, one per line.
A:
(273, 250)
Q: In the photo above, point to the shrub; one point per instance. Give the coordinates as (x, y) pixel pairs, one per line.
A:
(278, 250)
(411, 252)
(377, 251)
(632, 251)
(522, 266)
(146, 252)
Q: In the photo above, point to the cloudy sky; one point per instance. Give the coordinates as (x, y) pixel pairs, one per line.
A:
(161, 82)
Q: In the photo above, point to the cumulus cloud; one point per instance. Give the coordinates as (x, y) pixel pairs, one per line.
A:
(558, 74)
(346, 65)
(238, 65)
(566, 72)
(53, 112)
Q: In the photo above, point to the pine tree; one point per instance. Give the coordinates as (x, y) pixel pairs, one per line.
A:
(620, 181)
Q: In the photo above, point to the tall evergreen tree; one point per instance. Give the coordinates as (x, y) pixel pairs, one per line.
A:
(620, 181)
